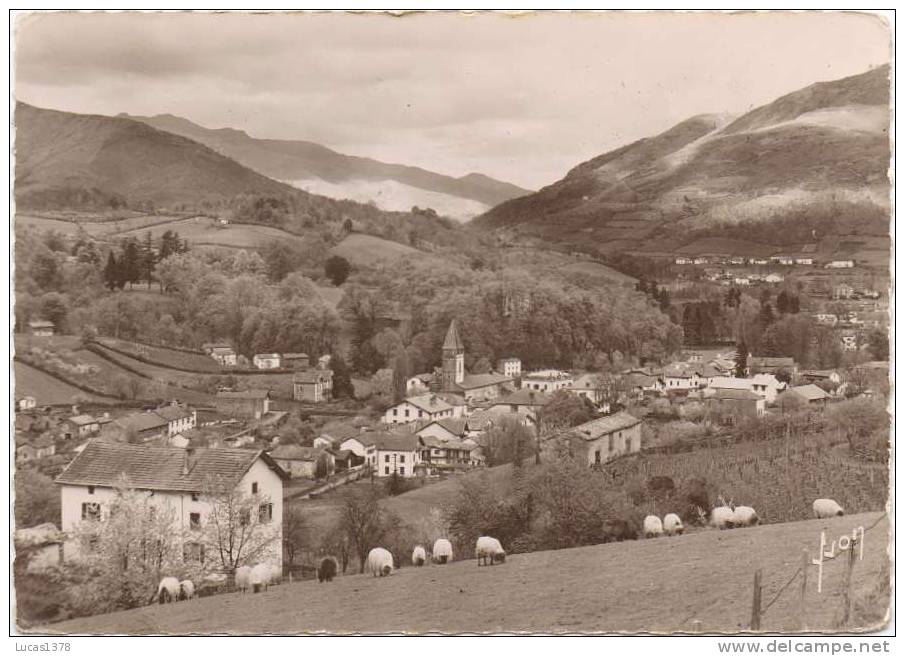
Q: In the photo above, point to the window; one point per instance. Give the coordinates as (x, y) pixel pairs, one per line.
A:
(402, 458)
(406, 412)
(193, 552)
(265, 513)
(402, 471)
(386, 458)
(194, 496)
(91, 511)
(195, 521)
(90, 489)
(254, 488)
(395, 411)
(597, 457)
(386, 471)
(610, 441)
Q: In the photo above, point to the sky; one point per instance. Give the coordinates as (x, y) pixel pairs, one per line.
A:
(522, 98)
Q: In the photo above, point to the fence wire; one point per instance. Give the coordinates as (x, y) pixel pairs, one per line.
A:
(786, 585)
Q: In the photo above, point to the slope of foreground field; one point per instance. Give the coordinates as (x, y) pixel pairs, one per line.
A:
(651, 585)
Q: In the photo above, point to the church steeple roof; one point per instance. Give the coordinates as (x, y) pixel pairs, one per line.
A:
(453, 342)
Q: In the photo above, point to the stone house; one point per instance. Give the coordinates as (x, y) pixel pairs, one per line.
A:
(248, 404)
(173, 478)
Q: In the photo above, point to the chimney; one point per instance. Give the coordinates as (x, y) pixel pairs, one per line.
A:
(188, 461)
(75, 409)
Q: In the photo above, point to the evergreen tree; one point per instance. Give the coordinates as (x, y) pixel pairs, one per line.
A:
(130, 262)
(782, 302)
(664, 300)
(148, 259)
(741, 358)
(766, 315)
(111, 272)
(342, 380)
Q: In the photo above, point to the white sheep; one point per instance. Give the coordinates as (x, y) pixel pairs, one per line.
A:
(672, 524)
(418, 556)
(186, 590)
(261, 575)
(487, 547)
(721, 517)
(744, 516)
(380, 562)
(442, 551)
(167, 591)
(825, 508)
(243, 577)
(652, 526)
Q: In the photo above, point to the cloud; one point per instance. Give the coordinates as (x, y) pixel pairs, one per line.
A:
(521, 98)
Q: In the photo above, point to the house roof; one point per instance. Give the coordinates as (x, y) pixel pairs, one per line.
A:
(810, 392)
(455, 427)
(223, 350)
(725, 382)
(766, 361)
(294, 356)
(452, 340)
(82, 420)
(437, 443)
(40, 324)
(245, 394)
(524, 397)
(476, 381)
(429, 403)
(160, 467)
(596, 428)
(295, 452)
(341, 432)
(396, 441)
(735, 395)
(173, 412)
(765, 379)
(270, 356)
(141, 421)
(585, 382)
(452, 399)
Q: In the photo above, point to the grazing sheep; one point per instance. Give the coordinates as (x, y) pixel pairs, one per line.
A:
(380, 562)
(653, 527)
(418, 556)
(744, 516)
(186, 590)
(442, 551)
(722, 517)
(326, 570)
(487, 547)
(825, 508)
(672, 524)
(261, 575)
(167, 591)
(243, 577)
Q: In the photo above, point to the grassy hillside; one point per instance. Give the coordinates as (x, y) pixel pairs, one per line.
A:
(817, 157)
(61, 156)
(651, 585)
(298, 160)
(368, 250)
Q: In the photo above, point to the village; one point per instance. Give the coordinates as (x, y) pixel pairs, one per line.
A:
(445, 425)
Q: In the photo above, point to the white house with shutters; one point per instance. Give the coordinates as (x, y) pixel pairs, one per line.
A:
(175, 478)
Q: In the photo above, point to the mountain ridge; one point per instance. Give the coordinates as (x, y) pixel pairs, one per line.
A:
(824, 148)
(298, 160)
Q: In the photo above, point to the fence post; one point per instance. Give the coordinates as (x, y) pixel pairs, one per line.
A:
(802, 602)
(755, 605)
(847, 583)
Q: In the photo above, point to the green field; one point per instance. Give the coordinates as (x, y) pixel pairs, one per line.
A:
(662, 585)
(367, 250)
(46, 389)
